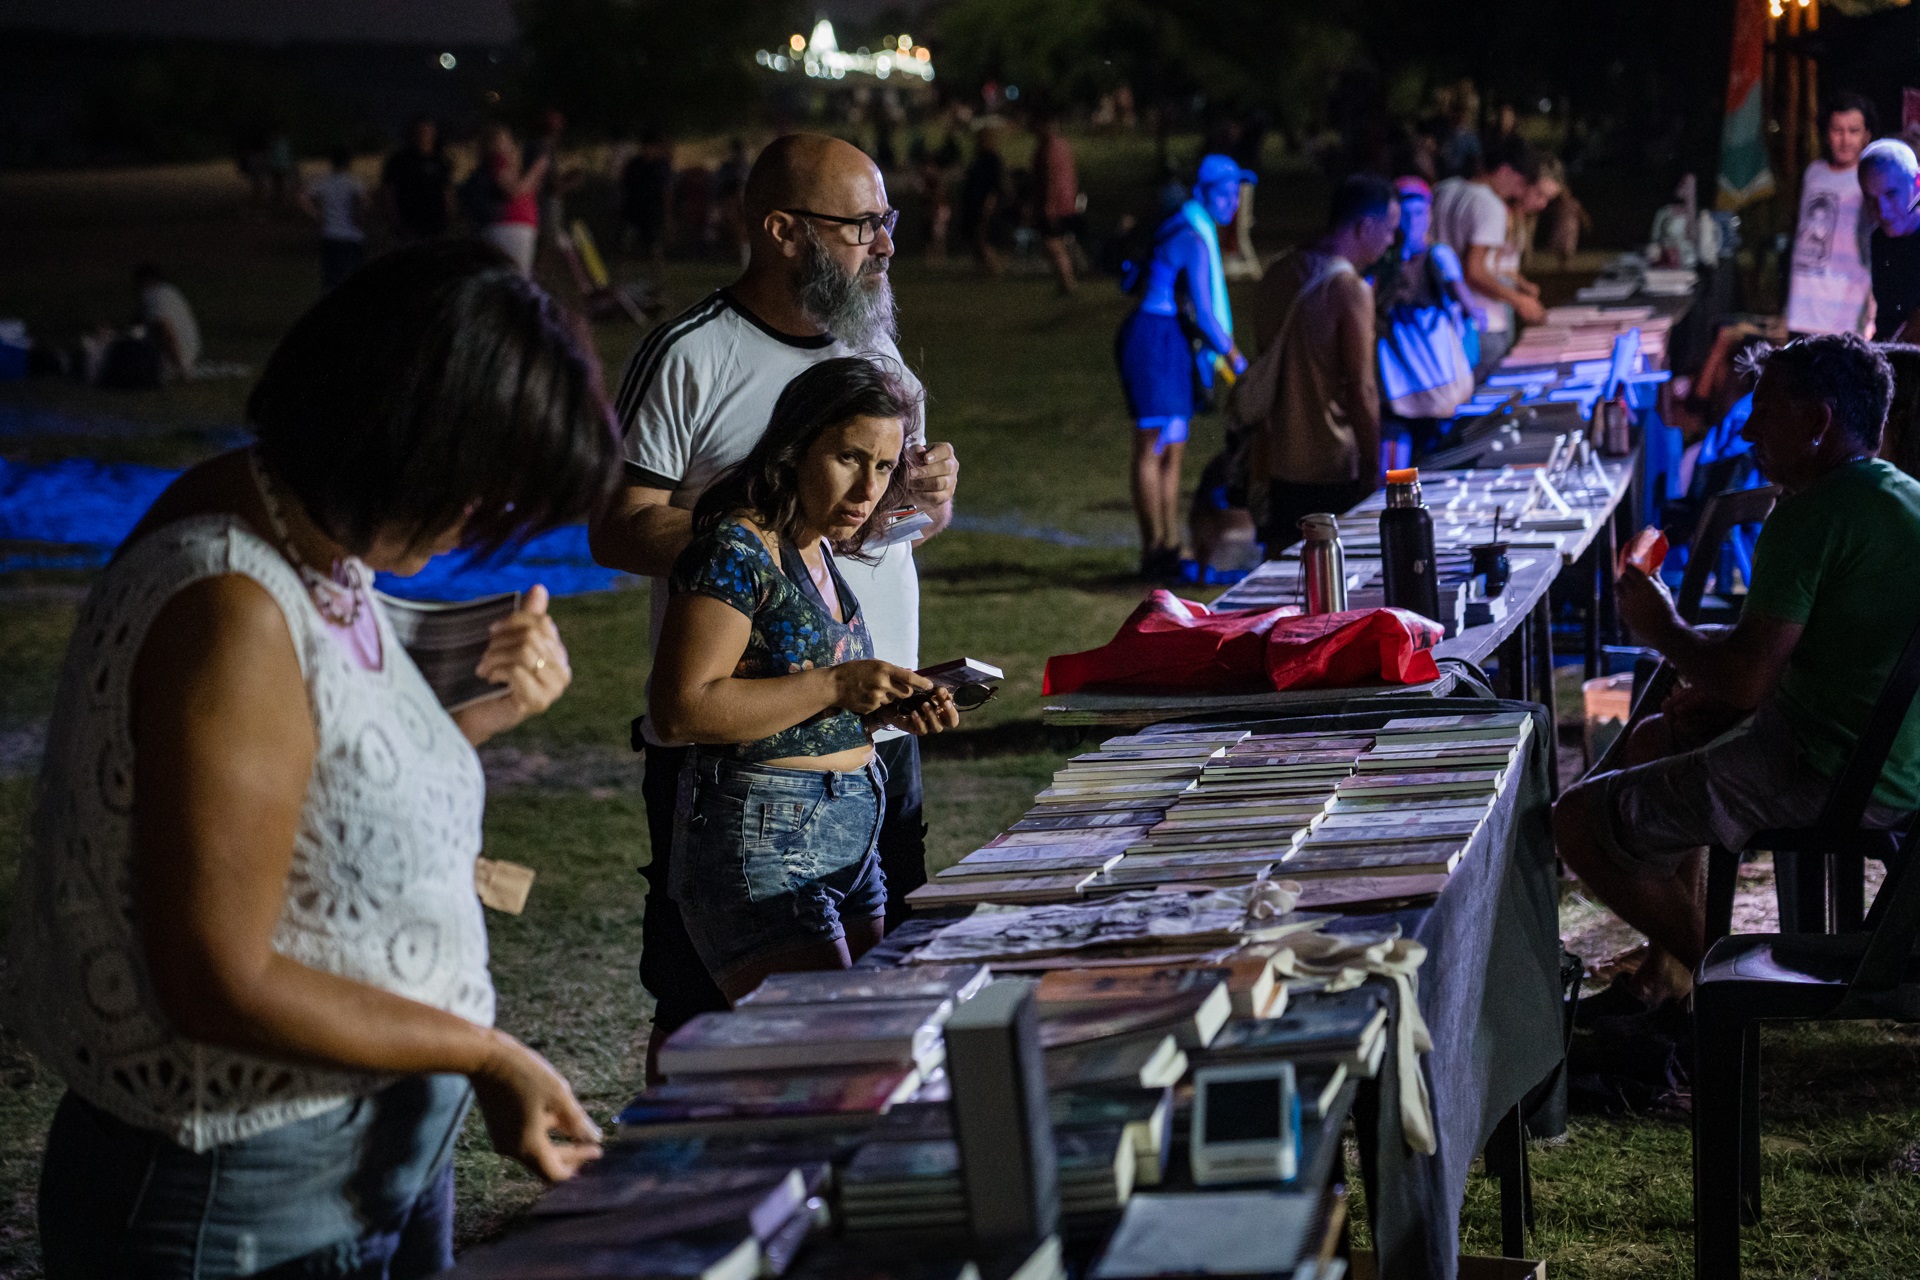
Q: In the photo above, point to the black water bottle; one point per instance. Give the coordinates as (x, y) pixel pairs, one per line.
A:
(1406, 547)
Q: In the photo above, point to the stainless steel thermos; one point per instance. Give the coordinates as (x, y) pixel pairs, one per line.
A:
(1323, 564)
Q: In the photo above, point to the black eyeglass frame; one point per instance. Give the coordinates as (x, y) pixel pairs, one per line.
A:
(870, 224)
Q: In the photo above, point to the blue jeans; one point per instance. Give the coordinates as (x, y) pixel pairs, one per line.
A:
(767, 860)
(361, 1192)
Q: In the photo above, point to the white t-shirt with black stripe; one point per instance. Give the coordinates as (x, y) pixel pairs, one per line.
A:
(695, 398)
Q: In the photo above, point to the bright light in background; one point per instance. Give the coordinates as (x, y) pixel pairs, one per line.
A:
(819, 55)
(448, 62)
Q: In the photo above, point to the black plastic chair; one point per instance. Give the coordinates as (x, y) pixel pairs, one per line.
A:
(1722, 513)
(1821, 870)
(1753, 978)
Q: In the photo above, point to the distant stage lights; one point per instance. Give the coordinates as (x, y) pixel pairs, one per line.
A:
(448, 62)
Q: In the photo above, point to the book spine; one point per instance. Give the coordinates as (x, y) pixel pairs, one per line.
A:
(1001, 1117)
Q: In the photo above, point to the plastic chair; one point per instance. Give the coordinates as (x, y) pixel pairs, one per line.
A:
(1832, 852)
(1752, 978)
(1720, 519)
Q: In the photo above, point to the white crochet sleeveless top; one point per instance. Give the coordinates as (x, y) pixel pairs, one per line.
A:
(380, 888)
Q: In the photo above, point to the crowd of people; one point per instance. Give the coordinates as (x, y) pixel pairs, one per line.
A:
(1366, 342)
(248, 938)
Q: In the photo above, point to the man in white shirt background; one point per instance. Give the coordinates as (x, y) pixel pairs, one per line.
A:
(1830, 282)
(338, 202)
(1470, 215)
(695, 396)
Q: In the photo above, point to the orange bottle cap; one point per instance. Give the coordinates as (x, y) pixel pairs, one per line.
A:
(1409, 475)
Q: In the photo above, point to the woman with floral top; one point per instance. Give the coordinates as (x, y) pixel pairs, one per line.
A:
(765, 661)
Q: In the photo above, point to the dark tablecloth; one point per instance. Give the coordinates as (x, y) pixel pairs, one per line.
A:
(1490, 992)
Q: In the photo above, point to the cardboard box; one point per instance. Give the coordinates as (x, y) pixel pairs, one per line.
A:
(1361, 1267)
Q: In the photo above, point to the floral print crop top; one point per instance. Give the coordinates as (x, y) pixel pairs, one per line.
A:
(793, 630)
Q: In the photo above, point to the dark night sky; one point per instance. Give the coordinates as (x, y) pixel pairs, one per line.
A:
(455, 22)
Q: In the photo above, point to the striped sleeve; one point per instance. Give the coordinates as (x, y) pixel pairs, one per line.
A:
(657, 403)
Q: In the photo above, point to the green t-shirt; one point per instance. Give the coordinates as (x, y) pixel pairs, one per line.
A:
(1843, 558)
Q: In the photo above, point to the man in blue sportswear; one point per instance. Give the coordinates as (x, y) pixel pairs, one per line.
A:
(1183, 291)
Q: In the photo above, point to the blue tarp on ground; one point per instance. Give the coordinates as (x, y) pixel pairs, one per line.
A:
(79, 510)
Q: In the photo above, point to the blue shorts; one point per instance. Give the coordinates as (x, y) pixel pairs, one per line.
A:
(767, 860)
(1156, 366)
(365, 1189)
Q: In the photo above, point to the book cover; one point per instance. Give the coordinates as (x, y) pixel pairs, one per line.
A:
(1422, 784)
(1495, 724)
(1431, 858)
(787, 1036)
(1103, 838)
(954, 982)
(446, 640)
(1062, 990)
(1149, 1065)
(1210, 1233)
(1325, 1027)
(712, 1102)
(1373, 892)
(1192, 1017)
(1014, 889)
(1202, 869)
(1090, 821)
(1035, 865)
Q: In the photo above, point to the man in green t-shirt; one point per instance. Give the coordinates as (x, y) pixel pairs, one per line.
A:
(1834, 597)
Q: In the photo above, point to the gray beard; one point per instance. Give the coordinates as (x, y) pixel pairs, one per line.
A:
(857, 309)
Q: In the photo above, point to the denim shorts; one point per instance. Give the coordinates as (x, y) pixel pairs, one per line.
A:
(767, 860)
(361, 1192)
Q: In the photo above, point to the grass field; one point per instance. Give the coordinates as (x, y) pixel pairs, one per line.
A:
(1022, 383)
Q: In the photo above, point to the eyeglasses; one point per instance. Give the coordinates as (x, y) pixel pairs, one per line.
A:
(869, 224)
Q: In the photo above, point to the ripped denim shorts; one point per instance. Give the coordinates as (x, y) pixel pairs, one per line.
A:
(767, 860)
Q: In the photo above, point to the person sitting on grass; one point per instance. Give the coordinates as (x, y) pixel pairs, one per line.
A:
(1769, 709)
(766, 664)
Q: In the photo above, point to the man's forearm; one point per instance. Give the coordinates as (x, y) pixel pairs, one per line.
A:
(1489, 285)
(1706, 658)
(646, 540)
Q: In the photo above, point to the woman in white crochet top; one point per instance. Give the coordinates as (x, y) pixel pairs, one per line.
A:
(248, 937)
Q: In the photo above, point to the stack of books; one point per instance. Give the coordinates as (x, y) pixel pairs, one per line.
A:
(1319, 1031)
(806, 1037)
(634, 1213)
(1099, 804)
(914, 1184)
(746, 1096)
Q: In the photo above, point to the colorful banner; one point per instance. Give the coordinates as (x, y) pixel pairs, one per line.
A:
(1744, 175)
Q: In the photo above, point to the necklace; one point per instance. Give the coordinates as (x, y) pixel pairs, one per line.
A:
(336, 595)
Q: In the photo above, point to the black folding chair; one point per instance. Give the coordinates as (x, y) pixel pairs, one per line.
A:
(1750, 978)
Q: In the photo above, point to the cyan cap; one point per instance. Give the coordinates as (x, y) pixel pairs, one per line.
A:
(1218, 169)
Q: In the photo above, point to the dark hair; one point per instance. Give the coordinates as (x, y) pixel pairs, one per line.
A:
(1513, 152)
(1903, 415)
(147, 273)
(437, 384)
(765, 482)
(340, 158)
(1359, 195)
(1841, 370)
(1850, 102)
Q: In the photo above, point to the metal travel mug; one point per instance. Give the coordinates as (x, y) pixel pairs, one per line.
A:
(1323, 564)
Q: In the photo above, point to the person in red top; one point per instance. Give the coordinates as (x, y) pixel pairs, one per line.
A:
(1056, 194)
(515, 226)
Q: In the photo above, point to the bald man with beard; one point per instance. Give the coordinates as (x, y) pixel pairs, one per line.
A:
(694, 398)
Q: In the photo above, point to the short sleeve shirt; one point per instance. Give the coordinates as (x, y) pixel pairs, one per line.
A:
(1467, 216)
(1827, 291)
(337, 196)
(419, 181)
(697, 395)
(1838, 558)
(793, 630)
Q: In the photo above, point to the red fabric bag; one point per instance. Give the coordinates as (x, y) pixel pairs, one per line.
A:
(1170, 643)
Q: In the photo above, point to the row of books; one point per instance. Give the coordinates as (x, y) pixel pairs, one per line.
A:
(1146, 811)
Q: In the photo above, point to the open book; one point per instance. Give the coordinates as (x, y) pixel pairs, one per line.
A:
(446, 640)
